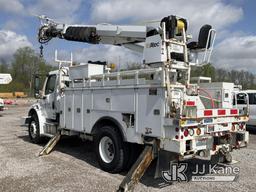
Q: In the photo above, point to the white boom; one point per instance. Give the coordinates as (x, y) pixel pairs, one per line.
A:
(126, 35)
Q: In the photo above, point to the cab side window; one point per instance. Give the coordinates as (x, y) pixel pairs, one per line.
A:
(252, 98)
(241, 99)
(50, 85)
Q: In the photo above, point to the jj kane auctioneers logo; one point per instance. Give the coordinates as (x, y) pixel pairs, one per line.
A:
(214, 173)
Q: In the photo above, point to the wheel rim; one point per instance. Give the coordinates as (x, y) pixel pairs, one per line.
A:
(106, 149)
(33, 129)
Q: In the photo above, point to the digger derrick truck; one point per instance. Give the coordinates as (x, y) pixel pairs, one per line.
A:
(156, 107)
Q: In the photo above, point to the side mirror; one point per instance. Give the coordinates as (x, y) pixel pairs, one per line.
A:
(36, 86)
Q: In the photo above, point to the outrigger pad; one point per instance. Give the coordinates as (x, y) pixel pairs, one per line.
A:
(138, 169)
(50, 145)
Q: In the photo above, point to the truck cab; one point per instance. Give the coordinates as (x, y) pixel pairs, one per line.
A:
(248, 98)
(49, 97)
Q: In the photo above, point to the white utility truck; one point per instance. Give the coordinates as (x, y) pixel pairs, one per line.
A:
(4, 79)
(246, 98)
(156, 107)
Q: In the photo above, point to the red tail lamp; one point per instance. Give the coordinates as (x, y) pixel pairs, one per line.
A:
(186, 132)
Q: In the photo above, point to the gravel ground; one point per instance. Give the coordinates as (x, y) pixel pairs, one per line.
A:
(72, 166)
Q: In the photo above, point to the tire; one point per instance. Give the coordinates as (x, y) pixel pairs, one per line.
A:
(110, 149)
(228, 158)
(34, 129)
(132, 154)
(221, 158)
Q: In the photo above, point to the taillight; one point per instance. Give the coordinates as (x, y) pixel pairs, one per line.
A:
(191, 132)
(177, 129)
(233, 127)
(185, 132)
(198, 131)
(176, 137)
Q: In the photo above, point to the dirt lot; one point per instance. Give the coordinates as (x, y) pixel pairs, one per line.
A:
(73, 166)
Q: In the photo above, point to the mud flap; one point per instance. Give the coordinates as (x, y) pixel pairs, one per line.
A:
(163, 162)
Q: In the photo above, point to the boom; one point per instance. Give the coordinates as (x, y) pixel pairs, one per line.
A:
(126, 35)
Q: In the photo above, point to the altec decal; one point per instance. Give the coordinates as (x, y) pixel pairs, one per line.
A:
(153, 44)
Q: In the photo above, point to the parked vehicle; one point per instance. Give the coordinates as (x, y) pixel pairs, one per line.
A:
(4, 79)
(245, 98)
(1, 104)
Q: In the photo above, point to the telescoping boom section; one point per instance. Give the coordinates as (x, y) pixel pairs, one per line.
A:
(157, 106)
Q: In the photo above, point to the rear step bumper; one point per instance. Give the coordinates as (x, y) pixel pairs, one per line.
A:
(205, 146)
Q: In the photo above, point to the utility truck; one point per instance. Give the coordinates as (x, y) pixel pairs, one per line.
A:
(4, 79)
(156, 107)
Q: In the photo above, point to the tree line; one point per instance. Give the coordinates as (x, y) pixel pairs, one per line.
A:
(24, 65)
(244, 78)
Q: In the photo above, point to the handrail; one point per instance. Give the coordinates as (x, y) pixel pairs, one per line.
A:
(128, 73)
(212, 33)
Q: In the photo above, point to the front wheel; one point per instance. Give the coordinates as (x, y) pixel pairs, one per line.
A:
(33, 130)
(109, 149)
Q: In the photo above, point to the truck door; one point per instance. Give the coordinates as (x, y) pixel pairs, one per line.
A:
(252, 113)
(241, 102)
(49, 99)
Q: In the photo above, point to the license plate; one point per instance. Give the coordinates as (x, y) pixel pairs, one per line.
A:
(201, 142)
(208, 120)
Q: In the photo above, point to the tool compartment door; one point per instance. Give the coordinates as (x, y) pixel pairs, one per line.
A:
(77, 111)
(150, 110)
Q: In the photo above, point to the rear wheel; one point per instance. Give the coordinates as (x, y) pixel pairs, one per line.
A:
(33, 129)
(132, 154)
(109, 149)
(221, 158)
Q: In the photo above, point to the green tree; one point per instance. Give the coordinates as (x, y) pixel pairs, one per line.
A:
(205, 70)
(25, 64)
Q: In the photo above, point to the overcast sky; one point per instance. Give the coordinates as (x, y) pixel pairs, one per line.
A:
(234, 21)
